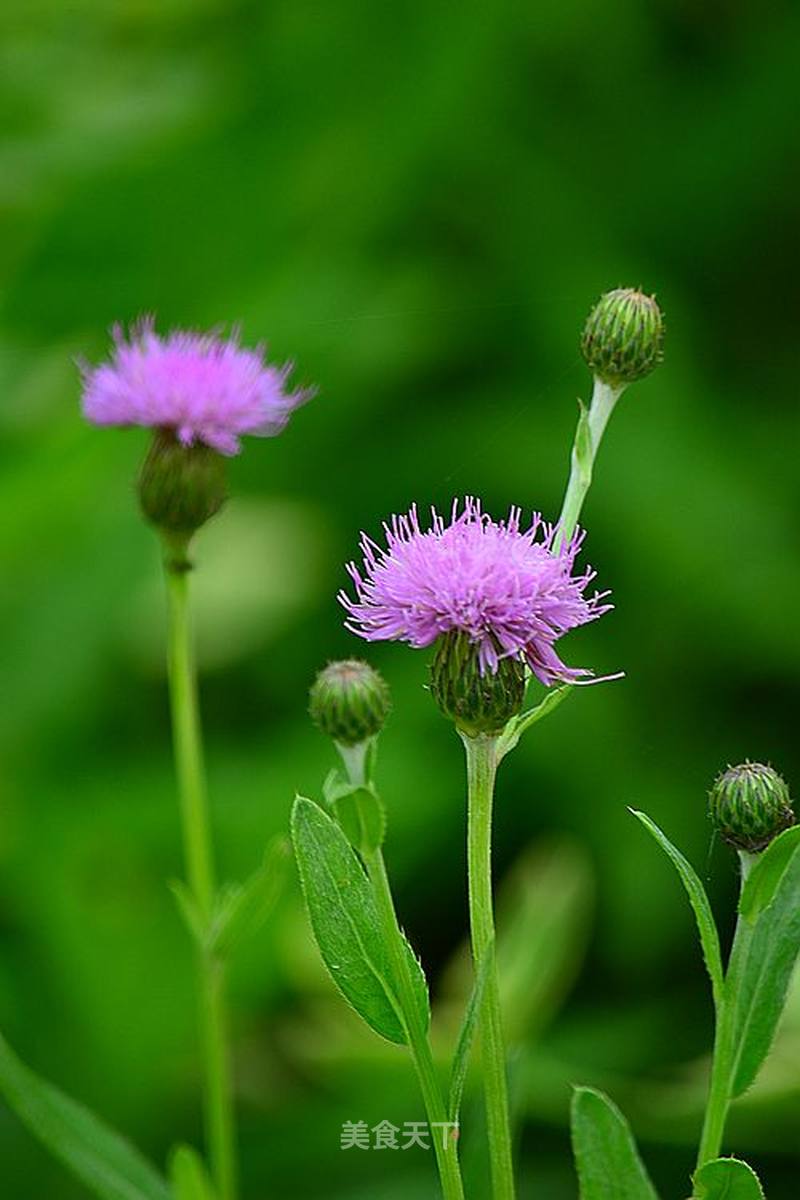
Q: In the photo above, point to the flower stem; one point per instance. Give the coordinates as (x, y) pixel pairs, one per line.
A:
(444, 1138)
(591, 427)
(718, 1101)
(722, 1069)
(481, 770)
(724, 1062)
(219, 1121)
(444, 1143)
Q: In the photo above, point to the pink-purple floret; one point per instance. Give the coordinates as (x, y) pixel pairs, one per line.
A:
(505, 587)
(205, 387)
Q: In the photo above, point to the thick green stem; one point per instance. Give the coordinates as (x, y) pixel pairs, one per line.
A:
(218, 1102)
(481, 769)
(443, 1136)
(591, 427)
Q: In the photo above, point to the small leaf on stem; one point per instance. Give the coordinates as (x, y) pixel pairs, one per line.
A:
(466, 1037)
(359, 810)
(362, 816)
(519, 725)
(726, 1179)
(583, 449)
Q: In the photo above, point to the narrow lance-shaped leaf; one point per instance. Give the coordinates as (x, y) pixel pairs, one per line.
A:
(105, 1162)
(706, 927)
(345, 921)
(466, 1037)
(419, 984)
(726, 1179)
(762, 882)
(605, 1153)
(763, 956)
(521, 724)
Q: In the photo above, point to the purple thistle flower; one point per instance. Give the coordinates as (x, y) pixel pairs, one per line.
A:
(502, 586)
(204, 387)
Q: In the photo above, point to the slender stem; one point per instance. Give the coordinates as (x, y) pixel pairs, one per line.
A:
(188, 744)
(355, 761)
(719, 1099)
(444, 1144)
(220, 1123)
(584, 451)
(444, 1136)
(724, 1062)
(187, 739)
(481, 770)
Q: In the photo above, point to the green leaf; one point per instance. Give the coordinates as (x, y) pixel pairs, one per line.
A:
(727, 1179)
(764, 953)
(706, 927)
(345, 920)
(189, 1177)
(605, 1153)
(243, 908)
(519, 725)
(333, 784)
(582, 446)
(762, 882)
(466, 1037)
(419, 984)
(362, 816)
(106, 1163)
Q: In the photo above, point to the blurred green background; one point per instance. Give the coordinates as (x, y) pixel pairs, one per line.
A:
(418, 202)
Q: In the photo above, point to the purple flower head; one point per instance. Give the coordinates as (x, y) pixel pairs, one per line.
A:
(205, 387)
(501, 585)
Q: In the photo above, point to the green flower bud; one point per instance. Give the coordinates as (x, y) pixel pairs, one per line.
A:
(750, 805)
(477, 703)
(623, 337)
(180, 487)
(349, 701)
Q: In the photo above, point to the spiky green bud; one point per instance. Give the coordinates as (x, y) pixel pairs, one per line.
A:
(750, 805)
(349, 701)
(623, 337)
(180, 487)
(477, 703)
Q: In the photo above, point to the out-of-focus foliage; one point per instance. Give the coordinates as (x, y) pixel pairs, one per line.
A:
(419, 203)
